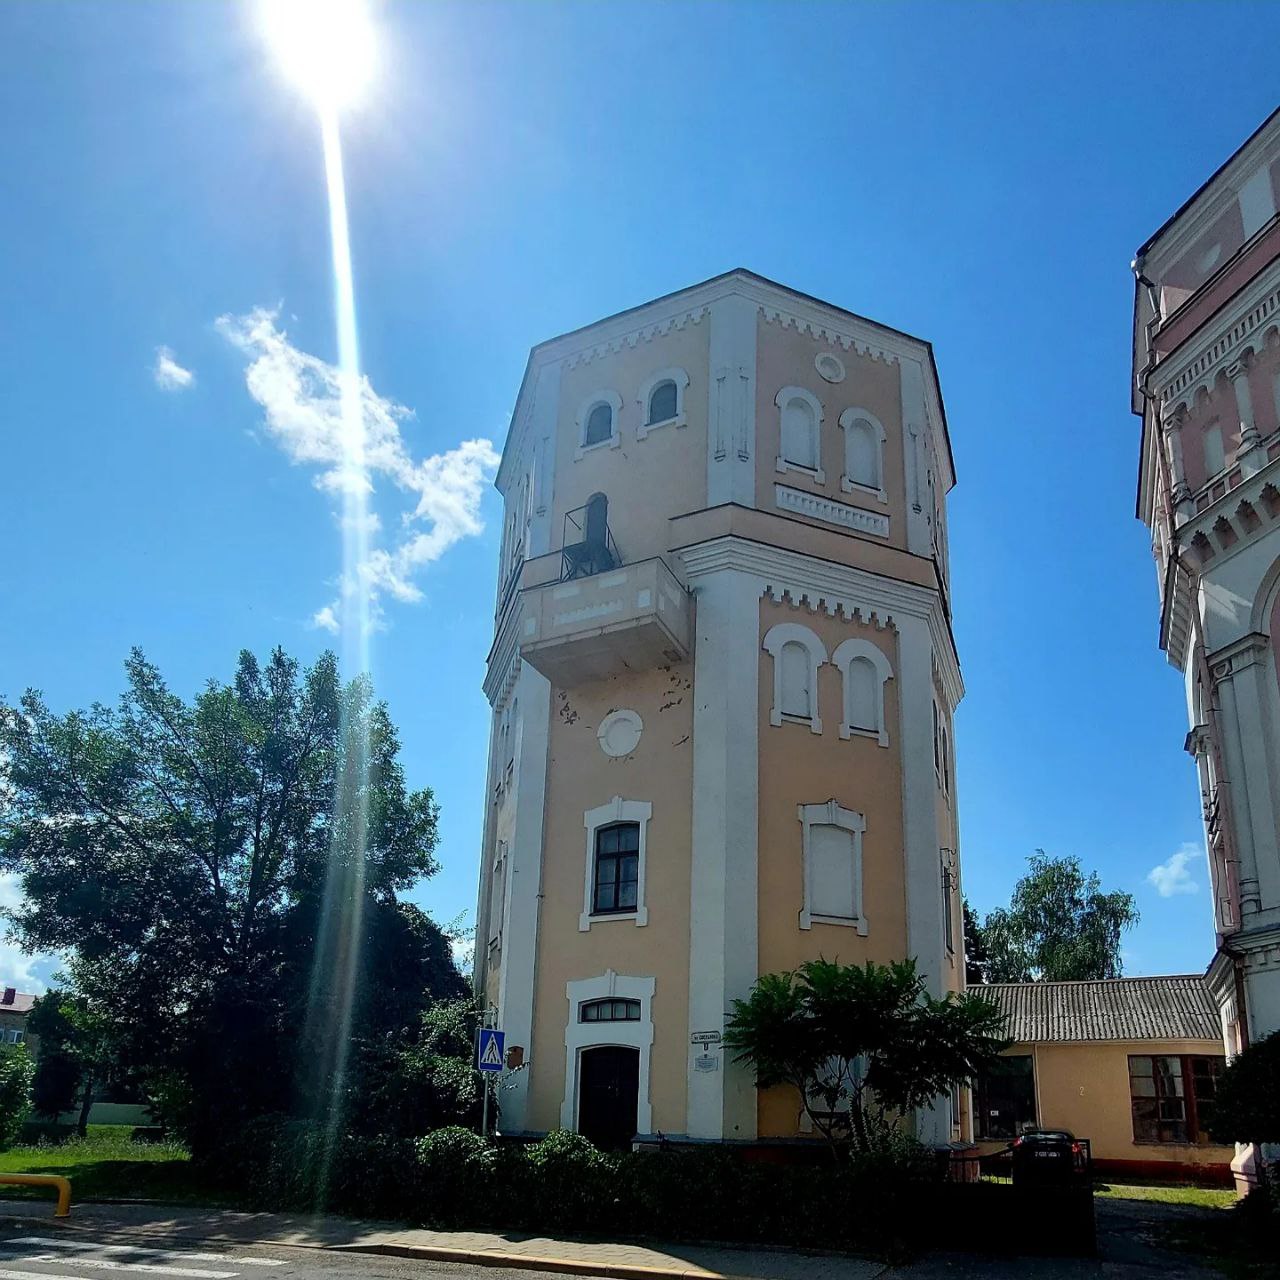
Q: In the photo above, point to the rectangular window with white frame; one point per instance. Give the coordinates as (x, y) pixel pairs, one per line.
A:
(832, 852)
(614, 881)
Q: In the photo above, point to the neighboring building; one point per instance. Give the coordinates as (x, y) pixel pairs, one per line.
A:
(1132, 1064)
(722, 681)
(14, 1007)
(1207, 386)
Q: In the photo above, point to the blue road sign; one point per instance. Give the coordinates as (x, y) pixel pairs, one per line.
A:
(489, 1049)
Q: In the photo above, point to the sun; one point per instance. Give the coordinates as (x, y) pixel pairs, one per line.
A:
(326, 48)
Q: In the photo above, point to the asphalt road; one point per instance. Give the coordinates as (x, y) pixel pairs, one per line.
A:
(25, 1255)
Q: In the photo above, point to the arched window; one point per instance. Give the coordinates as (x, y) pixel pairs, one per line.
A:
(797, 654)
(861, 695)
(599, 425)
(662, 403)
(797, 693)
(1215, 457)
(799, 431)
(864, 669)
(863, 452)
(609, 1011)
(597, 421)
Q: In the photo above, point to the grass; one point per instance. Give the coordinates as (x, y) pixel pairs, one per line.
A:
(108, 1164)
(1168, 1193)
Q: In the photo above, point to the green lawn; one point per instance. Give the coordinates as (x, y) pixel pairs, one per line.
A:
(1167, 1193)
(107, 1164)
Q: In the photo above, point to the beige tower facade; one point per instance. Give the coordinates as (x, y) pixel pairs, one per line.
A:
(723, 680)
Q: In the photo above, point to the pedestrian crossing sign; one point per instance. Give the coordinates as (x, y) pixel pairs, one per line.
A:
(489, 1049)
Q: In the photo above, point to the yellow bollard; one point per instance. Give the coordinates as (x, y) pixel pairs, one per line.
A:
(43, 1180)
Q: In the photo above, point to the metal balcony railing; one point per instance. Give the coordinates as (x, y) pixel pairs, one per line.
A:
(587, 547)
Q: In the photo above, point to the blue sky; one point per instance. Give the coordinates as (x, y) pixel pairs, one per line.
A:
(977, 175)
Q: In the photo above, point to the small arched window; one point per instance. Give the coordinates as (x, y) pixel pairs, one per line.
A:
(862, 696)
(663, 403)
(797, 693)
(863, 451)
(799, 434)
(599, 425)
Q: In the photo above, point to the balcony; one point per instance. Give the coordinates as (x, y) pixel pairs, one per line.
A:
(589, 626)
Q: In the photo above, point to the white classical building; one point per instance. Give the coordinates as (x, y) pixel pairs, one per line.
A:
(1207, 387)
(722, 681)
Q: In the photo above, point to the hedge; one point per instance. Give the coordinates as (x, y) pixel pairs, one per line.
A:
(453, 1179)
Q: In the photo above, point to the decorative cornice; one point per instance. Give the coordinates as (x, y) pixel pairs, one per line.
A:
(1237, 656)
(633, 338)
(816, 507)
(837, 337)
(834, 588)
(1254, 311)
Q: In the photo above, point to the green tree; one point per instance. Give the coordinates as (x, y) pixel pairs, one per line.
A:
(181, 852)
(976, 957)
(77, 1055)
(1059, 926)
(1246, 1106)
(861, 1044)
(16, 1072)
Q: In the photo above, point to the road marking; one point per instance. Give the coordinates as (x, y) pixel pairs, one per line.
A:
(50, 1242)
(34, 1275)
(105, 1264)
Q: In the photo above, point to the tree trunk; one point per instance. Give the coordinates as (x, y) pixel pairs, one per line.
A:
(86, 1104)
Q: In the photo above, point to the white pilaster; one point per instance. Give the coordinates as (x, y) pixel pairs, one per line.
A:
(524, 888)
(731, 402)
(723, 944)
(546, 407)
(914, 452)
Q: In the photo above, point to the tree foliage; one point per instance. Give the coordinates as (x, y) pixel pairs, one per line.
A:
(1247, 1103)
(1059, 926)
(181, 853)
(16, 1072)
(976, 959)
(78, 1053)
(861, 1044)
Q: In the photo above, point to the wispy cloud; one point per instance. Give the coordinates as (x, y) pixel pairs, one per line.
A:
(1173, 876)
(169, 375)
(300, 395)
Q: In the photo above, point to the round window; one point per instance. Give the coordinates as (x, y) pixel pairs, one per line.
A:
(829, 367)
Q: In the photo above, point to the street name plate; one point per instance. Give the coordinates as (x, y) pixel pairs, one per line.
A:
(705, 1037)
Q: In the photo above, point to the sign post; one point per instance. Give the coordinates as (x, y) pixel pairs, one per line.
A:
(489, 1047)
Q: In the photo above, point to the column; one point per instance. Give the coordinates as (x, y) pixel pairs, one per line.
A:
(524, 887)
(1173, 421)
(724, 911)
(1248, 456)
(919, 829)
(731, 403)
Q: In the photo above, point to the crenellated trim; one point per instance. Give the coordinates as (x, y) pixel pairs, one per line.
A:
(632, 339)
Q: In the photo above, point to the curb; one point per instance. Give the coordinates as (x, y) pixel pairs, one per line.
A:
(431, 1253)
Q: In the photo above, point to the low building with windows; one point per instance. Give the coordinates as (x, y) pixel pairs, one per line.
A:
(15, 1005)
(723, 681)
(1132, 1064)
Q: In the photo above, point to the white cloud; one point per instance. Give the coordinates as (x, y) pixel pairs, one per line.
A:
(17, 969)
(1173, 876)
(169, 375)
(301, 398)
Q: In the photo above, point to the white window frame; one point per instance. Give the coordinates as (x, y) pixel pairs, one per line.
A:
(681, 379)
(847, 483)
(580, 1035)
(614, 401)
(832, 814)
(781, 634)
(784, 464)
(617, 810)
(847, 651)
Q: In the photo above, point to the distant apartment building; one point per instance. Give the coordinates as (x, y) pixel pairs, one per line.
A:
(722, 682)
(1207, 387)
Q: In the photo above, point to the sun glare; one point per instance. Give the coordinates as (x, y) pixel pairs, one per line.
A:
(326, 48)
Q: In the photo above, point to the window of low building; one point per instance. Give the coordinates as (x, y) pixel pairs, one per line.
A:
(1006, 1094)
(1172, 1096)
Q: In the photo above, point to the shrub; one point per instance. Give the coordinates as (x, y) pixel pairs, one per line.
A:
(16, 1073)
(1247, 1104)
(457, 1176)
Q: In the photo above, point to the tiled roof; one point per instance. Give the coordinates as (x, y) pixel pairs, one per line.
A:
(21, 1003)
(1166, 1008)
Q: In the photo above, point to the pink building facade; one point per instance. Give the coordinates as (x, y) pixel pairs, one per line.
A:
(1207, 388)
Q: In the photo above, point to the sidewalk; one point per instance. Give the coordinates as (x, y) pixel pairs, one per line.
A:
(477, 1248)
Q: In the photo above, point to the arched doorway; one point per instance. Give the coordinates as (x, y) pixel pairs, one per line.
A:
(608, 1094)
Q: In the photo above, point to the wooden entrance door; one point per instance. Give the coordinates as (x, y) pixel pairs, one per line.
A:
(608, 1092)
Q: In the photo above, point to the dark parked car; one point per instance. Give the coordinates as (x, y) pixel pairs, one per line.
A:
(1044, 1157)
